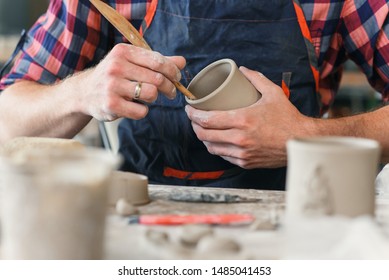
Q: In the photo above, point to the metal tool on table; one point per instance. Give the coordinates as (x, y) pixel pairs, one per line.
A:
(210, 197)
(131, 34)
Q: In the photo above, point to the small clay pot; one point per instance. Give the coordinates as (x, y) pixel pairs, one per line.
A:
(53, 204)
(129, 186)
(331, 175)
(221, 86)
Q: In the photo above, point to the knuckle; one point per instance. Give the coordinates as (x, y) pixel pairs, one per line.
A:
(110, 104)
(243, 155)
(109, 85)
(242, 141)
(157, 61)
(242, 163)
(242, 121)
(245, 165)
(110, 117)
(113, 69)
(119, 49)
(153, 92)
(154, 64)
(238, 140)
(140, 114)
(147, 97)
(200, 134)
(204, 122)
(158, 79)
(210, 148)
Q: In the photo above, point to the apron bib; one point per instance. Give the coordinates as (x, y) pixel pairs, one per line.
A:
(267, 36)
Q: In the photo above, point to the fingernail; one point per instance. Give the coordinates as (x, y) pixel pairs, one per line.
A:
(173, 94)
(261, 75)
(178, 76)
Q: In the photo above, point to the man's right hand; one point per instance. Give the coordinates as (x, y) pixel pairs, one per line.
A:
(107, 91)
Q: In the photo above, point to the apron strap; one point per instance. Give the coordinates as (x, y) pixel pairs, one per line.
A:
(209, 175)
(286, 77)
(149, 16)
(308, 41)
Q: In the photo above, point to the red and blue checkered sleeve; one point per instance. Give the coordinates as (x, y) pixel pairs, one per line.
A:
(365, 32)
(67, 38)
(70, 37)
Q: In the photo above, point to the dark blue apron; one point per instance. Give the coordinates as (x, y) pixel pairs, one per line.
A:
(259, 34)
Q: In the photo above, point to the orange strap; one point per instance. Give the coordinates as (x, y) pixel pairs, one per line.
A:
(286, 77)
(151, 9)
(187, 175)
(285, 88)
(307, 35)
(302, 22)
(316, 76)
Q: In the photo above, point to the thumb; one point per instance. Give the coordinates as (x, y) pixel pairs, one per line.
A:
(260, 82)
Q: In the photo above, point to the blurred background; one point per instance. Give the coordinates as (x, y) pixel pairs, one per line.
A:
(355, 94)
(16, 15)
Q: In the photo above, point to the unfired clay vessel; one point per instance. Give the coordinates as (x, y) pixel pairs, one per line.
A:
(331, 176)
(129, 186)
(25, 144)
(54, 203)
(221, 86)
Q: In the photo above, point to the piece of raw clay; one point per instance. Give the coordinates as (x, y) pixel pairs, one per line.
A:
(266, 222)
(212, 244)
(191, 234)
(157, 237)
(124, 208)
(263, 225)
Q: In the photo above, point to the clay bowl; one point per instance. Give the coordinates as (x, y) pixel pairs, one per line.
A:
(131, 186)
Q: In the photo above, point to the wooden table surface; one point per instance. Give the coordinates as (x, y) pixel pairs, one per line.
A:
(264, 239)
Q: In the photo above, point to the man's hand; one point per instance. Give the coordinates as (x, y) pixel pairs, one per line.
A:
(107, 91)
(252, 137)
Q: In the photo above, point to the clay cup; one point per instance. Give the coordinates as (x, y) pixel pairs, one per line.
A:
(330, 176)
(54, 203)
(221, 86)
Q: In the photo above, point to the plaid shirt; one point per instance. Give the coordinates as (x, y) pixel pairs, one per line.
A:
(71, 37)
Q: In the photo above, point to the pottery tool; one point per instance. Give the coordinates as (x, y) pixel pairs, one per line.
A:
(131, 34)
(210, 197)
(213, 219)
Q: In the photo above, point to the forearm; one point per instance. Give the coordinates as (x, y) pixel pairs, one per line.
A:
(373, 125)
(256, 136)
(105, 92)
(31, 109)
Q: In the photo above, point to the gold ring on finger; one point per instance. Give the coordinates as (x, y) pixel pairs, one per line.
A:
(138, 89)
